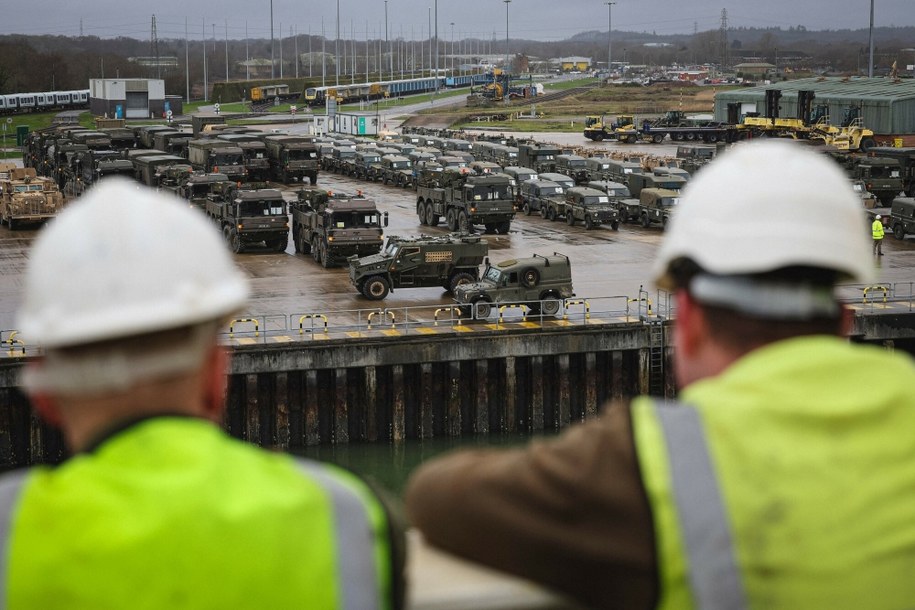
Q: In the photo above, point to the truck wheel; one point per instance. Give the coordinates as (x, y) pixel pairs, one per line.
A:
(543, 212)
(315, 251)
(530, 277)
(712, 138)
(235, 242)
(490, 227)
(481, 308)
(451, 218)
(551, 214)
(431, 216)
(664, 222)
(325, 255)
(598, 137)
(570, 219)
(657, 138)
(867, 144)
(306, 245)
(526, 208)
(551, 304)
(615, 225)
(296, 241)
(589, 224)
(464, 222)
(421, 212)
(504, 227)
(458, 279)
(645, 222)
(690, 136)
(376, 288)
(281, 245)
(898, 231)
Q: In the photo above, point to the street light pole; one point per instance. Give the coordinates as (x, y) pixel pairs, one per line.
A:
(272, 61)
(452, 48)
(337, 48)
(507, 66)
(870, 57)
(436, 46)
(609, 38)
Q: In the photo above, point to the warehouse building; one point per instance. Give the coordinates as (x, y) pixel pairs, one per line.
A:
(887, 106)
(131, 98)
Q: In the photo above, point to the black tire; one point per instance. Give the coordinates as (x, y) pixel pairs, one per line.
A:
(543, 212)
(551, 214)
(657, 138)
(482, 309)
(664, 222)
(526, 208)
(315, 250)
(615, 225)
(490, 227)
(451, 218)
(598, 137)
(234, 241)
(530, 277)
(504, 227)
(898, 231)
(325, 256)
(589, 223)
(376, 288)
(431, 216)
(570, 219)
(551, 305)
(421, 212)
(712, 138)
(867, 144)
(459, 278)
(281, 244)
(690, 136)
(296, 239)
(645, 222)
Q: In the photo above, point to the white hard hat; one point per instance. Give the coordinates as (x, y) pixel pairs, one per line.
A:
(125, 261)
(878, 217)
(763, 206)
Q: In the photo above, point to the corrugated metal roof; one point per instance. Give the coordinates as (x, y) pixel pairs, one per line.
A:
(835, 88)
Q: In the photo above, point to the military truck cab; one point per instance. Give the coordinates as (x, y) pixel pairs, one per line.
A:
(540, 283)
(333, 226)
(197, 187)
(249, 217)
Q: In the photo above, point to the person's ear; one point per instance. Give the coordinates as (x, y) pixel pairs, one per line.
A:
(690, 326)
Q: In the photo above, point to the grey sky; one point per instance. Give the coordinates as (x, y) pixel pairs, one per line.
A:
(531, 19)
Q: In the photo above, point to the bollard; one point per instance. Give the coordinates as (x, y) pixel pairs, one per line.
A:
(568, 302)
(524, 309)
(448, 309)
(312, 317)
(241, 321)
(383, 312)
(883, 289)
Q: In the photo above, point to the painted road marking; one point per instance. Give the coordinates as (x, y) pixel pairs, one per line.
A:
(282, 339)
(392, 333)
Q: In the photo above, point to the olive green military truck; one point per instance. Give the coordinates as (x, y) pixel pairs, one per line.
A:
(249, 217)
(465, 200)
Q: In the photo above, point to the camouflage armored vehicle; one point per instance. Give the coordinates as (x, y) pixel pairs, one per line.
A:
(535, 195)
(654, 206)
(465, 200)
(249, 216)
(448, 261)
(333, 226)
(27, 198)
(539, 282)
(591, 207)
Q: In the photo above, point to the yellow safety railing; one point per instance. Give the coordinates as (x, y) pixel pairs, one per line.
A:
(312, 317)
(645, 300)
(382, 312)
(12, 341)
(882, 289)
(451, 310)
(524, 309)
(569, 302)
(244, 321)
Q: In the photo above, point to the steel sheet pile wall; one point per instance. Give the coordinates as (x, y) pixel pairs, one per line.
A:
(287, 396)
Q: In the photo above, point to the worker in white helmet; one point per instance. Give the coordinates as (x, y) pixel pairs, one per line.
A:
(784, 476)
(158, 508)
(878, 233)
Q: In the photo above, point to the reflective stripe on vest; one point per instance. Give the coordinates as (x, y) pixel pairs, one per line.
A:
(358, 584)
(713, 572)
(10, 487)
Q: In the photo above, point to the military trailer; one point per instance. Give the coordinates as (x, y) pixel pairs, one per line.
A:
(148, 169)
(217, 156)
(540, 283)
(197, 187)
(465, 200)
(333, 226)
(591, 207)
(535, 195)
(902, 217)
(654, 206)
(249, 217)
(27, 198)
(448, 262)
(292, 158)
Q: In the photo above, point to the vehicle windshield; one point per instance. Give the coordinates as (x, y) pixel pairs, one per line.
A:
(200, 190)
(595, 199)
(372, 159)
(22, 188)
(668, 202)
(302, 155)
(577, 163)
(400, 164)
(493, 275)
(227, 159)
(354, 220)
(545, 157)
(487, 192)
(262, 207)
(391, 249)
(551, 190)
(673, 185)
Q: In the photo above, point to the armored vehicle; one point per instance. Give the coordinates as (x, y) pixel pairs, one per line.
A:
(465, 200)
(573, 166)
(292, 158)
(539, 282)
(198, 186)
(396, 170)
(882, 175)
(333, 226)
(249, 216)
(591, 207)
(654, 206)
(535, 195)
(448, 261)
(217, 156)
(902, 218)
(27, 198)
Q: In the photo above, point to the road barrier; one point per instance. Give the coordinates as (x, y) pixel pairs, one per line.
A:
(244, 321)
(312, 317)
